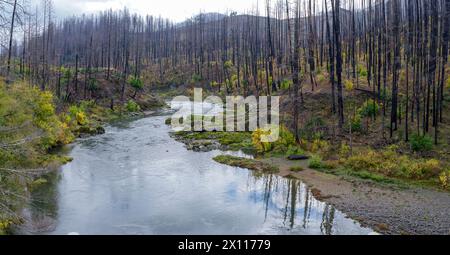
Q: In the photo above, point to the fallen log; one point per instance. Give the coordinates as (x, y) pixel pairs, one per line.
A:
(298, 157)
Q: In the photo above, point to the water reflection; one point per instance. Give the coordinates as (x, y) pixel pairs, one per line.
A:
(138, 180)
(300, 211)
(42, 210)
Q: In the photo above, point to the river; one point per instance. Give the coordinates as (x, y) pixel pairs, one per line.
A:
(136, 179)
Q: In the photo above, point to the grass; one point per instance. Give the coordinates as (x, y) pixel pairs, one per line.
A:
(246, 163)
(316, 162)
(385, 166)
(391, 164)
(296, 169)
(370, 176)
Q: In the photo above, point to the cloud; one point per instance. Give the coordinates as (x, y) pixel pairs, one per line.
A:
(177, 10)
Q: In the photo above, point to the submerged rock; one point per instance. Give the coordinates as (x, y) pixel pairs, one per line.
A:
(85, 131)
(100, 130)
(201, 145)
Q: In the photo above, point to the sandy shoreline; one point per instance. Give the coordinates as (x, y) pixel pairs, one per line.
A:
(386, 209)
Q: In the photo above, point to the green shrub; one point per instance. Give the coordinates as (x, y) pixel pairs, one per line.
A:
(136, 83)
(369, 109)
(295, 150)
(315, 162)
(348, 85)
(87, 105)
(344, 150)
(45, 118)
(214, 84)
(356, 123)
(421, 143)
(77, 114)
(286, 84)
(422, 170)
(93, 85)
(285, 141)
(132, 106)
(196, 78)
(29, 127)
(390, 163)
(228, 64)
(363, 161)
(20, 104)
(362, 71)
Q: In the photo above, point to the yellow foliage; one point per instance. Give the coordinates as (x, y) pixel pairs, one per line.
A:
(260, 146)
(81, 118)
(344, 151)
(320, 78)
(390, 163)
(285, 140)
(319, 146)
(4, 225)
(20, 103)
(444, 179)
(427, 169)
(65, 135)
(45, 107)
(349, 86)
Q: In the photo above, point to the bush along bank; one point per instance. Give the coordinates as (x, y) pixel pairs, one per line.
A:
(386, 165)
(33, 125)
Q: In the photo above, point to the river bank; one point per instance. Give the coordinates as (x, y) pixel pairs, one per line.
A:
(136, 179)
(130, 150)
(34, 127)
(388, 208)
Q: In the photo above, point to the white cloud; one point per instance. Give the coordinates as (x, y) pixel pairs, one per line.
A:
(177, 10)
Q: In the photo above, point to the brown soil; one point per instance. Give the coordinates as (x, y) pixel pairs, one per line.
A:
(386, 209)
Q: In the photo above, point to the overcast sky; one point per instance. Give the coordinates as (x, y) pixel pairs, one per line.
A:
(177, 10)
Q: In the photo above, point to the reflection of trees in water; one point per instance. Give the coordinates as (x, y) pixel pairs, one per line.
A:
(294, 187)
(43, 205)
(307, 209)
(326, 227)
(44, 197)
(267, 193)
(294, 195)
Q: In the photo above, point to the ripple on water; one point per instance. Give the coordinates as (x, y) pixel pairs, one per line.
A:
(136, 180)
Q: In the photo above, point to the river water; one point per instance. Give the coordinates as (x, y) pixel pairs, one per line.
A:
(136, 179)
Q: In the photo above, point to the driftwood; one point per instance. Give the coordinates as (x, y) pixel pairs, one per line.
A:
(298, 157)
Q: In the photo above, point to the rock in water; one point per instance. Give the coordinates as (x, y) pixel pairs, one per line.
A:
(100, 130)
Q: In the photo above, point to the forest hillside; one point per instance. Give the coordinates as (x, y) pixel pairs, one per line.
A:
(364, 84)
